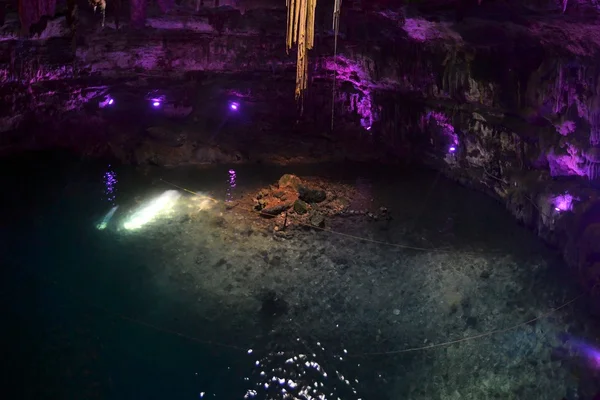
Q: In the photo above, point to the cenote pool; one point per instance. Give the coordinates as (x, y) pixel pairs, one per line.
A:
(206, 300)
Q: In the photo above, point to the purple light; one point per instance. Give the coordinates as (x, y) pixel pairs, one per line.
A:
(588, 351)
(108, 101)
(563, 202)
(234, 106)
(156, 103)
(452, 149)
(366, 123)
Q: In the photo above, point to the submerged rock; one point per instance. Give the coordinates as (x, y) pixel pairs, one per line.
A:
(270, 212)
(317, 220)
(291, 181)
(311, 195)
(300, 207)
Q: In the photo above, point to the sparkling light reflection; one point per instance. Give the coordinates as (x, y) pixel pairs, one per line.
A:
(234, 105)
(285, 375)
(152, 210)
(110, 185)
(232, 185)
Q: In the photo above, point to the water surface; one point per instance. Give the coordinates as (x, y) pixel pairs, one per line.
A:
(206, 302)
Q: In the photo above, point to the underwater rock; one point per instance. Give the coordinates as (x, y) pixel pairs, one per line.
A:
(270, 212)
(311, 195)
(300, 207)
(317, 220)
(229, 205)
(280, 194)
(291, 181)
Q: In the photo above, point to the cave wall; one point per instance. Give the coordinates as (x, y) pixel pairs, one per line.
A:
(517, 120)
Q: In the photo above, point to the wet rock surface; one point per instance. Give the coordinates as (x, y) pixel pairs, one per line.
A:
(309, 202)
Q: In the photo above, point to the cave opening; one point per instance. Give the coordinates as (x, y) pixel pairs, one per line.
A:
(423, 224)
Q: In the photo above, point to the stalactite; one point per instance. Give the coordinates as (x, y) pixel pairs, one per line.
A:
(595, 132)
(593, 170)
(558, 90)
(72, 20)
(72, 14)
(301, 31)
(594, 114)
(31, 11)
(336, 29)
(165, 5)
(138, 12)
(99, 4)
(116, 8)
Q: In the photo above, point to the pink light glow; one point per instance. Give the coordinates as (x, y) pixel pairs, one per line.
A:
(355, 72)
(234, 106)
(156, 103)
(563, 202)
(445, 124)
(108, 101)
(589, 351)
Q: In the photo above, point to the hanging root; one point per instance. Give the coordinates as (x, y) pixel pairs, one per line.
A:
(301, 31)
(336, 29)
(102, 5)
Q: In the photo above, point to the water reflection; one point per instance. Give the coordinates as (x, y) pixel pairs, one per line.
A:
(110, 191)
(110, 185)
(231, 185)
(302, 375)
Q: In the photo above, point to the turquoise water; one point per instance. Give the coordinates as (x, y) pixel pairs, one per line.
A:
(217, 306)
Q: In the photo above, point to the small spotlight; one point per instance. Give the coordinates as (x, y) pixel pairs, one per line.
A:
(234, 106)
(156, 103)
(452, 149)
(557, 209)
(108, 101)
(368, 128)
